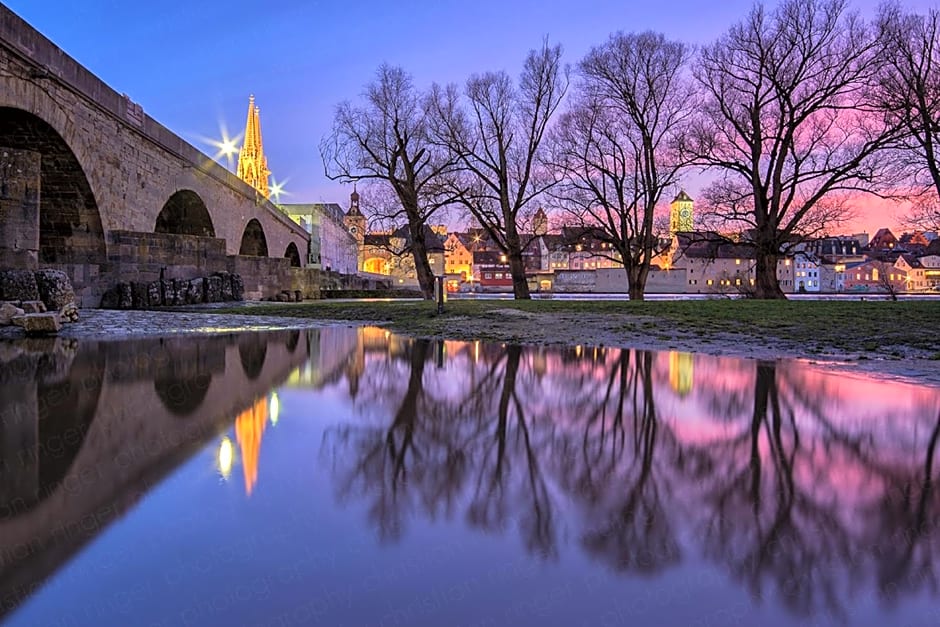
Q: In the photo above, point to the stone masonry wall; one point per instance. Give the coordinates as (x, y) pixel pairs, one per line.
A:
(19, 208)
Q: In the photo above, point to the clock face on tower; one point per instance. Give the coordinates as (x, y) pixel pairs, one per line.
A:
(685, 212)
(353, 230)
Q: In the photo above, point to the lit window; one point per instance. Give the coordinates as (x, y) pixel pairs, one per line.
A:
(737, 262)
(710, 282)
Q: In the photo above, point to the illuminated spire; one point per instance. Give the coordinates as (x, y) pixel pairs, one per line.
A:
(252, 164)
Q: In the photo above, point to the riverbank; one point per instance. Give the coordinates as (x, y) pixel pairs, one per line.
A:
(111, 324)
(893, 339)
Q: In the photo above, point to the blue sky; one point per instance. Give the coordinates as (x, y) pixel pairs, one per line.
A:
(192, 65)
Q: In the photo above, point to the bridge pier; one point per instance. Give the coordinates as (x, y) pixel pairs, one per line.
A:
(19, 208)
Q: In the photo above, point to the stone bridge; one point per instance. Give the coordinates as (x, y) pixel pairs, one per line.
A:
(92, 185)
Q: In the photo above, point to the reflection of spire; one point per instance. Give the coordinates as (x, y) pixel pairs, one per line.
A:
(252, 164)
(680, 372)
(357, 363)
(249, 430)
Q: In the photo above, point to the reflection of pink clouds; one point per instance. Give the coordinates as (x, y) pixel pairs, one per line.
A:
(610, 448)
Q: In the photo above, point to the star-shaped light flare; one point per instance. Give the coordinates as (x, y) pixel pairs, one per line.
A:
(226, 147)
(277, 189)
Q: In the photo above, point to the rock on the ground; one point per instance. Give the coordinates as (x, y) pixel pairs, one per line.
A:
(213, 289)
(8, 311)
(125, 296)
(179, 290)
(154, 294)
(18, 285)
(226, 285)
(194, 291)
(109, 300)
(33, 306)
(238, 287)
(139, 295)
(55, 288)
(69, 313)
(39, 323)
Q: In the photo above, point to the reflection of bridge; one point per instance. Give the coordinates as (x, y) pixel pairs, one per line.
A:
(85, 431)
(119, 196)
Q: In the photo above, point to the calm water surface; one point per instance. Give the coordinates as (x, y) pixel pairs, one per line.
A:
(347, 476)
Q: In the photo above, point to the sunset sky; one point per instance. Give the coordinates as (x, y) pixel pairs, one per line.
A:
(192, 65)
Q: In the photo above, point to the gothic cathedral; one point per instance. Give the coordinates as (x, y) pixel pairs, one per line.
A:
(252, 164)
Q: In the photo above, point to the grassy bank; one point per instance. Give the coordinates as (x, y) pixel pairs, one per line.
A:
(892, 329)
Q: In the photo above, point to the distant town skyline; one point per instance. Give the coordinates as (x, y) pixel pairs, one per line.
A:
(194, 69)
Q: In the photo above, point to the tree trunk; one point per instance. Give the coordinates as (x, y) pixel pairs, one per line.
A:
(419, 251)
(766, 285)
(636, 281)
(520, 286)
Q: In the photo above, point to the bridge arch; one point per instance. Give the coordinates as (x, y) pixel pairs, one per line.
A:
(185, 213)
(70, 225)
(254, 243)
(293, 254)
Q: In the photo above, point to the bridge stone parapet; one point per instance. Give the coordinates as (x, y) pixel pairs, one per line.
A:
(108, 170)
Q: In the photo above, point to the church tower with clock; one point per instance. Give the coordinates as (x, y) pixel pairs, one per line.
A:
(355, 221)
(680, 214)
(356, 225)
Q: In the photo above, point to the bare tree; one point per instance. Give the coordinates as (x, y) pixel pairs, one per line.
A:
(615, 149)
(497, 138)
(924, 215)
(885, 273)
(909, 93)
(786, 118)
(386, 140)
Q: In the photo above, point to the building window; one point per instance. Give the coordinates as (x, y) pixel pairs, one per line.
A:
(737, 262)
(487, 275)
(710, 282)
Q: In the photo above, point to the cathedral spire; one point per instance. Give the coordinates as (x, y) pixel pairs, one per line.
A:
(252, 164)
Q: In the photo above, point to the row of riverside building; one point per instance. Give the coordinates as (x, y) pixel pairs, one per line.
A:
(578, 259)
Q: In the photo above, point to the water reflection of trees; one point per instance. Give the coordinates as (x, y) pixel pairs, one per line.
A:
(441, 454)
(762, 473)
